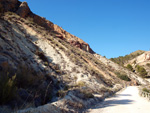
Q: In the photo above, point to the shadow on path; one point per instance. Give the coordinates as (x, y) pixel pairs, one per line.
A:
(115, 101)
(121, 95)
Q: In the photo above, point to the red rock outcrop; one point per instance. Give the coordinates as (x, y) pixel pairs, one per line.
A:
(42, 21)
(22, 9)
(61, 33)
(75, 43)
(73, 40)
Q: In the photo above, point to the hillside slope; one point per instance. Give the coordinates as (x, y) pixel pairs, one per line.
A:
(122, 60)
(43, 65)
(141, 60)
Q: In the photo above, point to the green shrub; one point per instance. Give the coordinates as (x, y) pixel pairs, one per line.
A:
(122, 76)
(146, 90)
(7, 87)
(141, 70)
(129, 67)
(121, 60)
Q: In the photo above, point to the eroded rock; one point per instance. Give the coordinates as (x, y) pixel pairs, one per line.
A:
(147, 56)
(23, 9)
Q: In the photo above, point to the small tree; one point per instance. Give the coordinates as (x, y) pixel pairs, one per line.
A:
(129, 67)
(141, 70)
(146, 90)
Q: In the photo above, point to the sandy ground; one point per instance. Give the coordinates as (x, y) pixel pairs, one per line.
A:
(127, 101)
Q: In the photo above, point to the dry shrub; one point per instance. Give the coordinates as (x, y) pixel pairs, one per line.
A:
(75, 105)
(26, 77)
(87, 93)
(7, 84)
(141, 70)
(7, 87)
(61, 93)
(80, 84)
(146, 90)
(105, 89)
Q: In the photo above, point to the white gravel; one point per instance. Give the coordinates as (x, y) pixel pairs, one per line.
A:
(128, 101)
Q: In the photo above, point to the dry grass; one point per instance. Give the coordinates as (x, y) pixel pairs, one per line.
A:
(75, 105)
(80, 84)
(62, 93)
(87, 93)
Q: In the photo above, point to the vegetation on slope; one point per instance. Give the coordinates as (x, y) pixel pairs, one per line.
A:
(141, 70)
(121, 60)
(146, 90)
(122, 76)
(129, 67)
(24, 85)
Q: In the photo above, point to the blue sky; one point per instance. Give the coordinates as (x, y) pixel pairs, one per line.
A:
(111, 27)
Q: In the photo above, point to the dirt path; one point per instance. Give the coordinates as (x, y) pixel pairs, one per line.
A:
(128, 101)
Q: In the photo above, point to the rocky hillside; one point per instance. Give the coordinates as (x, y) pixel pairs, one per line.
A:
(142, 60)
(43, 68)
(138, 62)
(122, 60)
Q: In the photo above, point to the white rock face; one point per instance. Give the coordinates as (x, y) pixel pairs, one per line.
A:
(141, 59)
(145, 57)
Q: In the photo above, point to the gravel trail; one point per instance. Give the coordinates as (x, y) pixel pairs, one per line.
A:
(128, 101)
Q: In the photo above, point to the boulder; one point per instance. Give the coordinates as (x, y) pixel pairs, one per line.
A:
(84, 46)
(23, 9)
